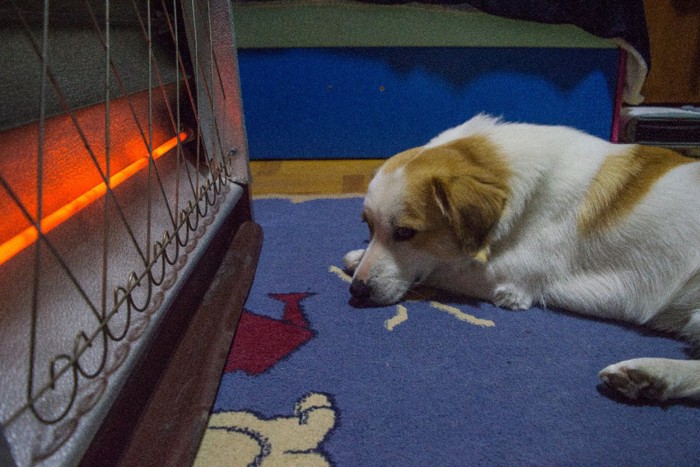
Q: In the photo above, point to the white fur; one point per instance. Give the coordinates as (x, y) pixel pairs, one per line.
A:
(646, 270)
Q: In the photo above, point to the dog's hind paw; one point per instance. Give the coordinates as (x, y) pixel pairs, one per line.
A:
(352, 259)
(511, 297)
(636, 379)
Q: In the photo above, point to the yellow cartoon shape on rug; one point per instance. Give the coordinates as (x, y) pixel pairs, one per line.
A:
(402, 312)
(243, 438)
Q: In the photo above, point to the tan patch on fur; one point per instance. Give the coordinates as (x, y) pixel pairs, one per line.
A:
(455, 190)
(622, 182)
(400, 160)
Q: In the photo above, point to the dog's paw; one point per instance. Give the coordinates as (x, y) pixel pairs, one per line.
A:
(511, 297)
(637, 379)
(352, 260)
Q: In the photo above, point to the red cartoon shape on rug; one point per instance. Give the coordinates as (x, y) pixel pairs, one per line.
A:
(261, 341)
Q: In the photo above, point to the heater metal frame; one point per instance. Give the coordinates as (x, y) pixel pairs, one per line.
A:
(157, 410)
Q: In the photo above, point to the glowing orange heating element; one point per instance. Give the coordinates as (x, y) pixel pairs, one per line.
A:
(29, 235)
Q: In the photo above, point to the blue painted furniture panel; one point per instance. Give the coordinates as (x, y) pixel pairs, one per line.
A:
(305, 103)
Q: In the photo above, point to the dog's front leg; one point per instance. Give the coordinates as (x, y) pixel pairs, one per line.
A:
(352, 260)
(512, 297)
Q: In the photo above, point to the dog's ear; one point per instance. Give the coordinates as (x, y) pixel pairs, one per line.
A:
(473, 204)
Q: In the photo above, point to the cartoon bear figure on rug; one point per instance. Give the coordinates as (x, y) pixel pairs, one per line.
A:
(244, 438)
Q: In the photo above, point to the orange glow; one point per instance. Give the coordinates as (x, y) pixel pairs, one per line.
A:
(29, 235)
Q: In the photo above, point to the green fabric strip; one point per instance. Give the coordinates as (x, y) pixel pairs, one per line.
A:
(350, 24)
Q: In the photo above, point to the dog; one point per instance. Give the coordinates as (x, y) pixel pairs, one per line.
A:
(521, 214)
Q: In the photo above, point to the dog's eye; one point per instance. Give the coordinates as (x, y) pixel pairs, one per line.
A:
(369, 224)
(403, 234)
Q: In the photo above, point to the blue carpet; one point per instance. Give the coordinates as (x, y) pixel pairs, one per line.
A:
(449, 383)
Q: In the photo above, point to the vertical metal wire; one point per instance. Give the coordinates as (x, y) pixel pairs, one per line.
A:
(195, 66)
(39, 199)
(177, 110)
(216, 79)
(209, 88)
(150, 134)
(212, 157)
(155, 68)
(108, 169)
(181, 71)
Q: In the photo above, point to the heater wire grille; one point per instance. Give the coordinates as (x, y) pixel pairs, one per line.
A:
(205, 160)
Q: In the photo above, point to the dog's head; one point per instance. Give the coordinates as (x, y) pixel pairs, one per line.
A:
(426, 207)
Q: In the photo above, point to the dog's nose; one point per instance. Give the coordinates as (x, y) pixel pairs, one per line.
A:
(359, 289)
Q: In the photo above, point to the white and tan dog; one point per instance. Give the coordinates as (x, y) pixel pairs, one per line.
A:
(519, 214)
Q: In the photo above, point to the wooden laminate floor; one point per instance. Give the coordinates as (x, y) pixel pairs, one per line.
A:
(312, 177)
